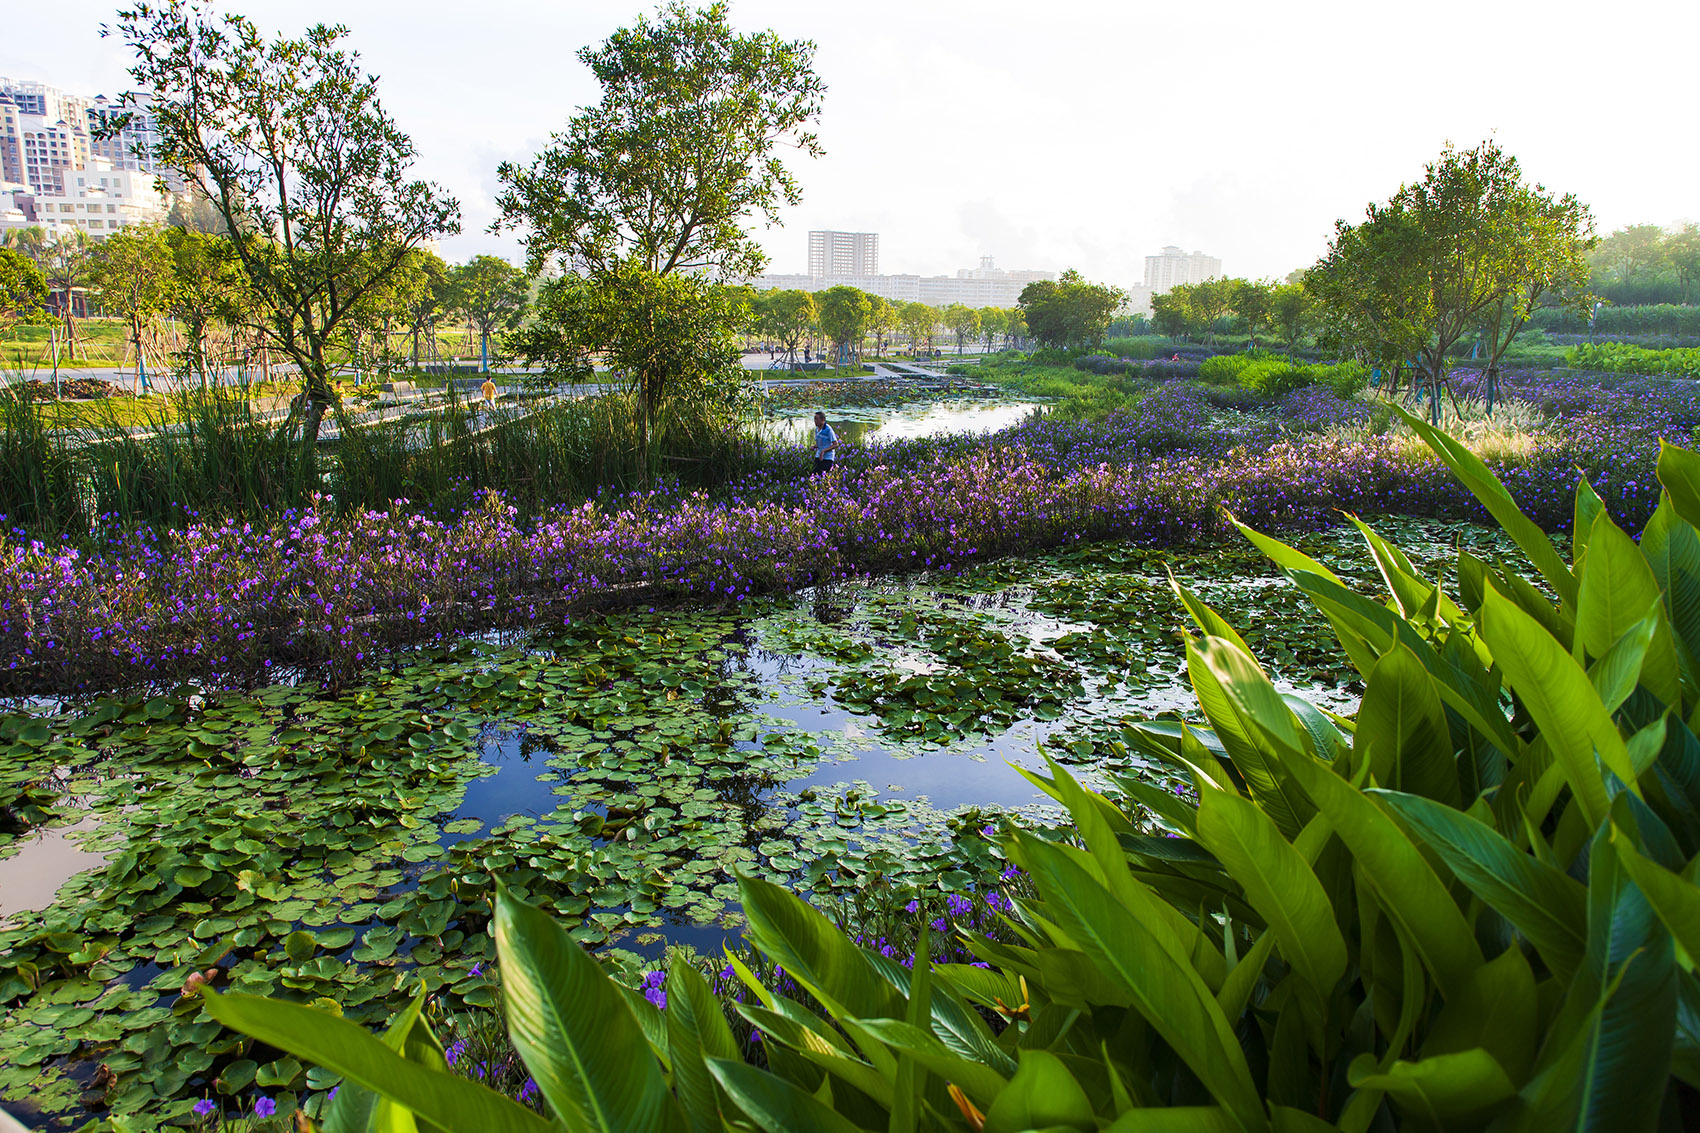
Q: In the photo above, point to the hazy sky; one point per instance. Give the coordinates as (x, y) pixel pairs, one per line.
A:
(1057, 134)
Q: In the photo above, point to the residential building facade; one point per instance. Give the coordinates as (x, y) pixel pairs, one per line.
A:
(840, 254)
(984, 286)
(1173, 266)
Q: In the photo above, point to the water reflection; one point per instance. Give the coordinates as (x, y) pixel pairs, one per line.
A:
(865, 424)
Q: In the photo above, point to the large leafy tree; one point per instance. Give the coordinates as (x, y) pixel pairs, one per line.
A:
(664, 336)
(1682, 252)
(134, 276)
(492, 294)
(786, 316)
(211, 289)
(682, 152)
(1469, 244)
(882, 321)
(23, 289)
(963, 321)
(844, 314)
(1290, 312)
(287, 141)
(919, 321)
(65, 262)
(1069, 311)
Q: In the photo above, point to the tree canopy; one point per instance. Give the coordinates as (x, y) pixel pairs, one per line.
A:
(288, 143)
(23, 289)
(1069, 311)
(680, 154)
(1467, 246)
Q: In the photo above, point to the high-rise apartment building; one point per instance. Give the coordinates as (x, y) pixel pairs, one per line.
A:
(1174, 267)
(833, 254)
(45, 133)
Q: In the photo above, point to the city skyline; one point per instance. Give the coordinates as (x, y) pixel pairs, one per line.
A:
(1084, 139)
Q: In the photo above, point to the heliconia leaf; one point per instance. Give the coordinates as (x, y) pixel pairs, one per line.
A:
(1672, 549)
(1498, 1011)
(1486, 487)
(1615, 675)
(1042, 1095)
(1544, 903)
(1402, 725)
(573, 1027)
(1679, 473)
(347, 1049)
(819, 957)
(773, 1103)
(1675, 898)
(1588, 507)
(1183, 1119)
(1407, 889)
(1617, 589)
(1441, 1090)
(978, 1081)
(1278, 883)
(696, 1031)
(1260, 720)
(1562, 701)
(1167, 990)
(1209, 622)
(1630, 972)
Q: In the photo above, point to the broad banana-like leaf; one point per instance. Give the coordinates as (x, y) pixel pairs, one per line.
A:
(773, 1103)
(1618, 590)
(573, 1027)
(1673, 896)
(1545, 904)
(696, 1031)
(1498, 1011)
(1209, 622)
(1486, 487)
(1672, 549)
(1615, 675)
(1042, 1095)
(1589, 507)
(355, 1109)
(1279, 884)
(815, 1042)
(347, 1049)
(1406, 888)
(1679, 473)
(1409, 589)
(814, 953)
(978, 1081)
(1253, 710)
(1184, 1119)
(1562, 701)
(1167, 990)
(1402, 726)
(1442, 1090)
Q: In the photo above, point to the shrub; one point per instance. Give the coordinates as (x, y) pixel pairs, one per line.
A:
(1472, 908)
(1621, 358)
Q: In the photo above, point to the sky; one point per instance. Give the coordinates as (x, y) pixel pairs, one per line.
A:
(1060, 134)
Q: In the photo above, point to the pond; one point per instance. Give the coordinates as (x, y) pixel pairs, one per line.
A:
(862, 424)
(619, 771)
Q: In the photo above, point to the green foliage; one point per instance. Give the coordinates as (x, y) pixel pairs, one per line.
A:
(1459, 910)
(843, 314)
(288, 141)
(1068, 311)
(1273, 376)
(23, 289)
(666, 170)
(1622, 358)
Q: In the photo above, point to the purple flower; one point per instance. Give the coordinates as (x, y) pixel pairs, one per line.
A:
(264, 1106)
(206, 1106)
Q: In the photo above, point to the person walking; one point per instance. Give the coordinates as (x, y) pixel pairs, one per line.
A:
(826, 445)
(488, 389)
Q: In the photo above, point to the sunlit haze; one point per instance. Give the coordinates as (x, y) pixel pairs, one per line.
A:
(1056, 135)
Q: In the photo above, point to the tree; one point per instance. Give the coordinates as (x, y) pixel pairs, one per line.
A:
(665, 336)
(1016, 330)
(23, 289)
(134, 276)
(1682, 252)
(427, 298)
(1632, 252)
(844, 313)
(491, 293)
(1069, 311)
(1254, 301)
(1468, 244)
(1210, 299)
(210, 287)
(65, 263)
(993, 322)
(680, 153)
(786, 316)
(1290, 311)
(919, 321)
(882, 321)
(963, 321)
(286, 139)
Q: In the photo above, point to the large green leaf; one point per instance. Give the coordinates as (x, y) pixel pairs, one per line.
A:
(1498, 1011)
(1545, 904)
(1674, 897)
(696, 1031)
(1402, 725)
(347, 1049)
(1679, 472)
(815, 954)
(1237, 695)
(1630, 975)
(1486, 487)
(1178, 1119)
(1167, 990)
(574, 1029)
(1042, 1095)
(1588, 507)
(1407, 889)
(1562, 702)
(773, 1103)
(1278, 883)
(355, 1109)
(1672, 550)
(1618, 590)
(978, 1081)
(1441, 1090)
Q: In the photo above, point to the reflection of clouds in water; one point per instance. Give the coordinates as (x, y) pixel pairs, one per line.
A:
(925, 419)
